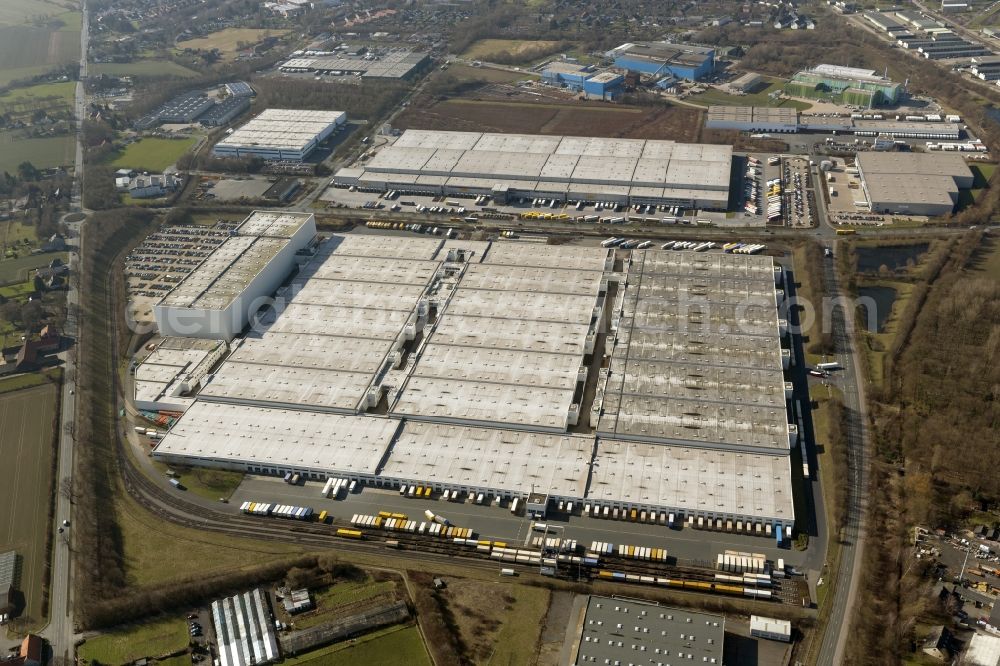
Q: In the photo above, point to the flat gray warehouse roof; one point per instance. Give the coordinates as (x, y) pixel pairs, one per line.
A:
(283, 129)
(552, 161)
(225, 274)
(504, 460)
(279, 437)
(692, 480)
(631, 631)
(388, 358)
(663, 394)
(916, 181)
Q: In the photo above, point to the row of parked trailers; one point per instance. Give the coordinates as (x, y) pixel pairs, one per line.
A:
(738, 526)
(401, 523)
(632, 515)
(277, 510)
(743, 248)
(635, 552)
(738, 562)
(555, 543)
(693, 585)
(334, 487)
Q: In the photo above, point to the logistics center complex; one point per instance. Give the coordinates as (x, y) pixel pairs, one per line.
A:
(503, 367)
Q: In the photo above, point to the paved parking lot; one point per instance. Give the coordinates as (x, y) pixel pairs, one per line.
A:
(799, 206)
(443, 209)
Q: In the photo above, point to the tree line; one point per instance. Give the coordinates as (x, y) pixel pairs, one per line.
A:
(99, 559)
(935, 448)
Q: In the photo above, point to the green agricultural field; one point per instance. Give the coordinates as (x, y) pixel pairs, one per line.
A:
(26, 451)
(31, 49)
(397, 645)
(19, 270)
(126, 644)
(523, 627)
(20, 12)
(43, 152)
(227, 40)
(147, 69)
(153, 154)
(49, 96)
(29, 380)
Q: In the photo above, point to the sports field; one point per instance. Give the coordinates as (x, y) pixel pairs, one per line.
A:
(26, 451)
(228, 40)
(153, 154)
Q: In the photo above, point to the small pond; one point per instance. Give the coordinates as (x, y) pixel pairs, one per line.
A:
(870, 259)
(883, 298)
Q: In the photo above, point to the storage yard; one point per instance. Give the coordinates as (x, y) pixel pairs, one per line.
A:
(412, 351)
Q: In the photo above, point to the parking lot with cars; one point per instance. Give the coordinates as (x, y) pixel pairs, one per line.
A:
(166, 257)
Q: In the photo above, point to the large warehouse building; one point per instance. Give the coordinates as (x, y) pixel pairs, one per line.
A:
(554, 167)
(392, 64)
(217, 299)
(913, 183)
(281, 134)
(753, 118)
(684, 61)
(462, 365)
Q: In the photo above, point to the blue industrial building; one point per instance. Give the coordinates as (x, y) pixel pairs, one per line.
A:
(683, 61)
(583, 79)
(606, 85)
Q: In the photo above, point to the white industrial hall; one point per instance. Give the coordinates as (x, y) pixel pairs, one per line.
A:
(484, 367)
